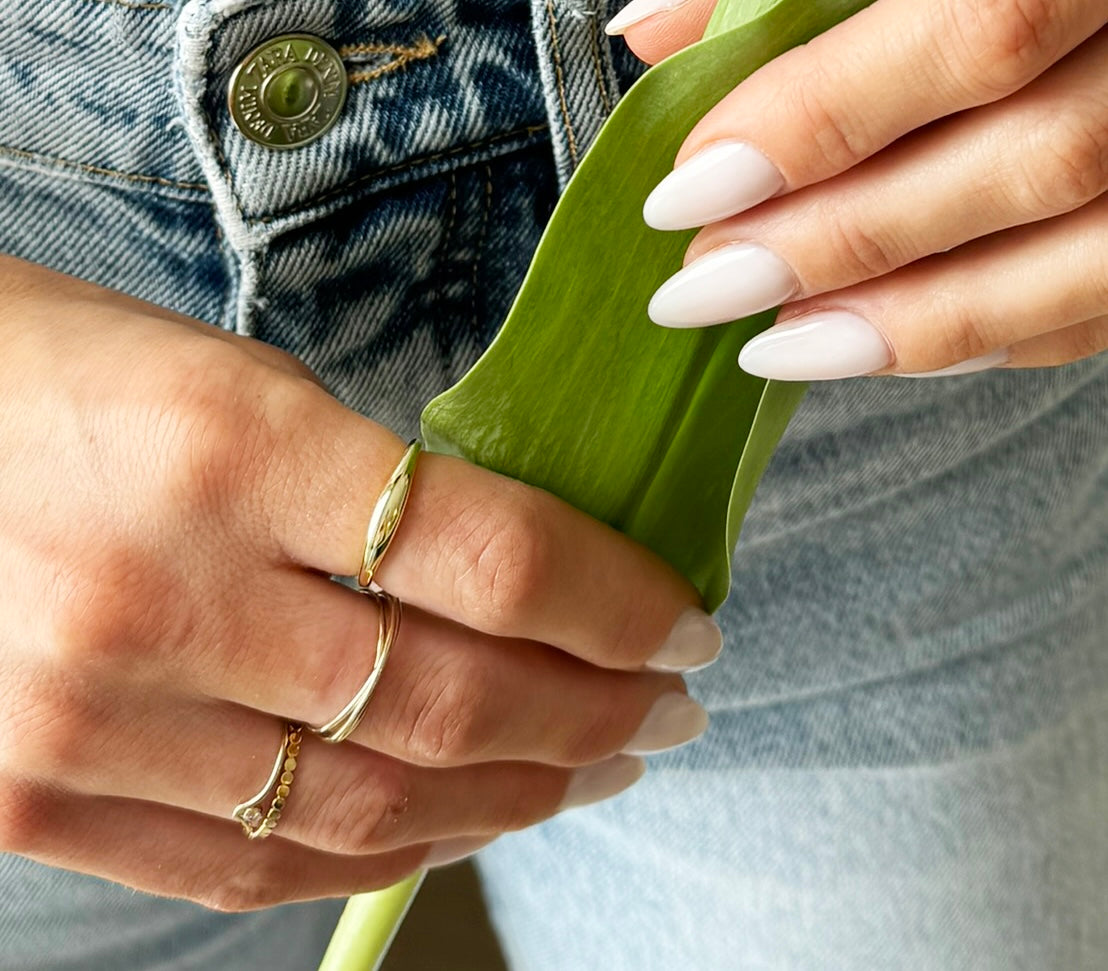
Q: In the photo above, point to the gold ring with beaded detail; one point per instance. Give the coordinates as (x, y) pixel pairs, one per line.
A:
(386, 514)
(340, 728)
(257, 823)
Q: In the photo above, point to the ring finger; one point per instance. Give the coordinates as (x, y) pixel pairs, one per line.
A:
(345, 799)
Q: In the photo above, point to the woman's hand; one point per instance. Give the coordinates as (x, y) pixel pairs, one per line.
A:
(923, 187)
(173, 502)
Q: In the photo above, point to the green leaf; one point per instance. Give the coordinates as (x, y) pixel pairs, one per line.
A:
(651, 430)
(656, 432)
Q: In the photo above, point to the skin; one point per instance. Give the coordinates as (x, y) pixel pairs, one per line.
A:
(173, 501)
(946, 168)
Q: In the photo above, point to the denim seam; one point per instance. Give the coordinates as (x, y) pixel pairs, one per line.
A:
(560, 78)
(85, 167)
(136, 5)
(594, 50)
(480, 245)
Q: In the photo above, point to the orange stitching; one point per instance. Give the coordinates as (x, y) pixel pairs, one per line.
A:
(599, 73)
(100, 170)
(133, 5)
(561, 80)
(411, 163)
(421, 50)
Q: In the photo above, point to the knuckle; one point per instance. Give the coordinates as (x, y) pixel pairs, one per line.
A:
(101, 603)
(25, 817)
(962, 336)
(51, 732)
(508, 561)
(996, 46)
(859, 254)
(838, 140)
(1069, 169)
(446, 727)
(370, 818)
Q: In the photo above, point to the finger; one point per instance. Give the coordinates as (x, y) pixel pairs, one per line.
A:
(963, 308)
(481, 549)
(654, 29)
(1073, 343)
(448, 695)
(819, 109)
(211, 757)
(176, 853)
(1040, 153)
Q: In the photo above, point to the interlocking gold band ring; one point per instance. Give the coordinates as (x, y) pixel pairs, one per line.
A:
(257, 823)
(339, 728)
(386, 514)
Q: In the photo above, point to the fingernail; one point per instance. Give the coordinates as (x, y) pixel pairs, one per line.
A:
(638, 10)
(982, 363)
(726, 284)
(674, 720)
(593, 783)
(817, 347)
(719, 181)
(694, 642)
(452, 850)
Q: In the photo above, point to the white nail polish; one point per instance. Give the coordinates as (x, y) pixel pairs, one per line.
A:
(694, 642)
(817, 347)
(726, 284)
(719, 181)
(674, 720)
(592, 783)
(982, 363)
(636, 11)
(448, 851)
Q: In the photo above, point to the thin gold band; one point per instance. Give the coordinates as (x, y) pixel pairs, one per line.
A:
(256, 823)
(340, 728)
(386, 514)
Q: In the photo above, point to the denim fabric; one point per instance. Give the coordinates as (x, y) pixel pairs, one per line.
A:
(908, 760)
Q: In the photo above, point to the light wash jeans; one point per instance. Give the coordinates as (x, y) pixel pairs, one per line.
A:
(908, 761)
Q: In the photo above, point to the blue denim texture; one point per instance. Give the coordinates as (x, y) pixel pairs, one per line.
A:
(907, 765)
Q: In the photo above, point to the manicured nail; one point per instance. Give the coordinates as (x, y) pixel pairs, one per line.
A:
(719, 181)
(449, 851)
(982, 363)
(593, 783)
(817, 347)
(726, 284)
(694, 642)
(638, 10)
(674, 720)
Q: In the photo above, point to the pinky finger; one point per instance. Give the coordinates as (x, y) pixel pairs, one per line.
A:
(175, 853)
(1071, 343)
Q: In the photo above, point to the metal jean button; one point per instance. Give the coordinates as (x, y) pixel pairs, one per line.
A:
(288, 91)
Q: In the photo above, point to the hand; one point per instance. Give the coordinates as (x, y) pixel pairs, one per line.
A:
(173, 502)
(922, 187)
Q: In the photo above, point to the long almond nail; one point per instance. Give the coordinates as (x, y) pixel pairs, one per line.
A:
(726, 284)
(636, 11)
(719, 181)
(694, 642)
(592, 783)
(817, 347)
(674, 720)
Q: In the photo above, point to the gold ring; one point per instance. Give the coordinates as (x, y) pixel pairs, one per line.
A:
(386, 514)
(256, 823)
(339, 728)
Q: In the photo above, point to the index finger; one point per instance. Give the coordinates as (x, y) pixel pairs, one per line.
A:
(478, 548)
(819, 109)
